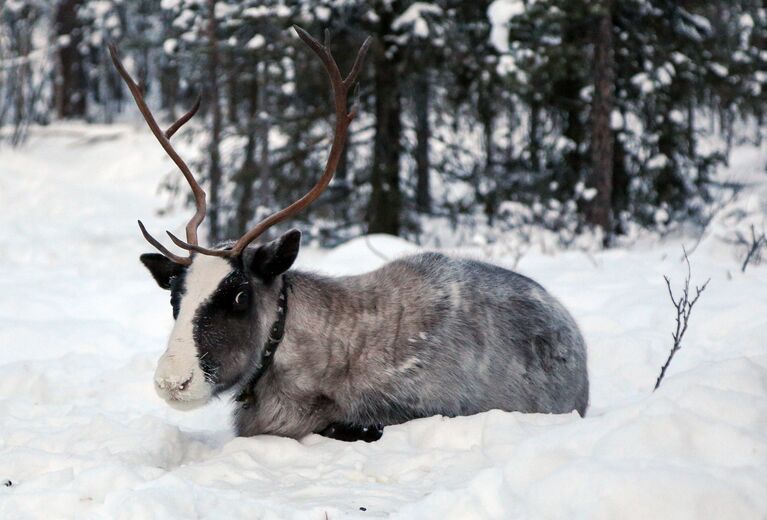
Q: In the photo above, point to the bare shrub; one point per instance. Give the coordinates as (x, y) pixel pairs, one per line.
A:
(683, 305)
(754, 246)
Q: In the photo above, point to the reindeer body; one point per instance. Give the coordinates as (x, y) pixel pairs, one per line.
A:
(421, 336)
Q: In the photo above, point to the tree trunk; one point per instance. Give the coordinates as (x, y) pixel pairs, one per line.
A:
(385, 199)
(249, 172)
(490, 184)
(599, 212)
(232, 87)
(421, 97)
(567, 92)
(534, 137)
(263, 124)
(20, 78)
(70, 82)
(691, 127)
(621, 179)
(214, 172)
(169, 86)
(169, 79)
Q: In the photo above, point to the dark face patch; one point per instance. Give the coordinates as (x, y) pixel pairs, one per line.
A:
(226, 331)
(177, 291)
(226, 325)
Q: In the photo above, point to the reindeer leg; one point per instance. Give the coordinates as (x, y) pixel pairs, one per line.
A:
(351, 433)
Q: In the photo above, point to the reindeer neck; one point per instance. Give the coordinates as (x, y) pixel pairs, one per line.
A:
(328, 305)
(327, 317)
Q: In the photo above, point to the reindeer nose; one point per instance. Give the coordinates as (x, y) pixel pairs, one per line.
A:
(172, 384)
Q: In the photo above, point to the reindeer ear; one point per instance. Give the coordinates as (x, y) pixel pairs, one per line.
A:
(274, 258)
(162, 269)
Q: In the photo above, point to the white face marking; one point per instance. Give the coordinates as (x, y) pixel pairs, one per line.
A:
(179, 379)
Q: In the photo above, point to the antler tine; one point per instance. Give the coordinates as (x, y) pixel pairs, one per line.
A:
(340, 88)
(358, 62)
(323, 53)
(164, 139)
(161, 248)
(181, 121)
(197, 248)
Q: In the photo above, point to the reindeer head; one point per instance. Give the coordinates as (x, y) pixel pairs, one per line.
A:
(224, 298)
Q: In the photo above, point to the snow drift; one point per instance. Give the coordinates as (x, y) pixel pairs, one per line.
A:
(82, 433)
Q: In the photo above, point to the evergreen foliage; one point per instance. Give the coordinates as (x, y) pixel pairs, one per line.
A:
(466, 109)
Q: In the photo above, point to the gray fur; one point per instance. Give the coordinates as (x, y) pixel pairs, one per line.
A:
(423, 335)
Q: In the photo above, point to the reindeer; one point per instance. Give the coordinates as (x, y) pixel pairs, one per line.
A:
(345, 356)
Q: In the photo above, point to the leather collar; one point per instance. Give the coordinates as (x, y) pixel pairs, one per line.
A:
(276, 332)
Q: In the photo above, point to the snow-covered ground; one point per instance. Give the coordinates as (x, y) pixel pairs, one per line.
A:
(82, 433)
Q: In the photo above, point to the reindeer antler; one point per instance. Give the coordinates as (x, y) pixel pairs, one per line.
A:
(340, 88)
(164, 139)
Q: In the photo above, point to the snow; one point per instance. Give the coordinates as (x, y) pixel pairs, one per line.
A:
(414, 17)
(256, 12)
(677, 117)
(506, 65)
(184, 19)
(500, 13)
(657, 162)
(746, 22)
(256, 42)
(679, 58)
(170, 46)
(643, 82)
(288, 88)
(82, 433)
(616, 120)
(665, 74)
(719, 69)
(585, 193)
(700, 21)
(322, 13)
(169, 5)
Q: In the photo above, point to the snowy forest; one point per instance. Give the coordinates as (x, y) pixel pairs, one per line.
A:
(534, 287)
(572, 114)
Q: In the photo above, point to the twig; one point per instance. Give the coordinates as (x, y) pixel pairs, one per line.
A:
(375, 251)
(755, 248)
(590, 256)
(683, 311)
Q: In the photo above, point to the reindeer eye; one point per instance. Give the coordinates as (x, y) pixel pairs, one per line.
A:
(242, 300)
